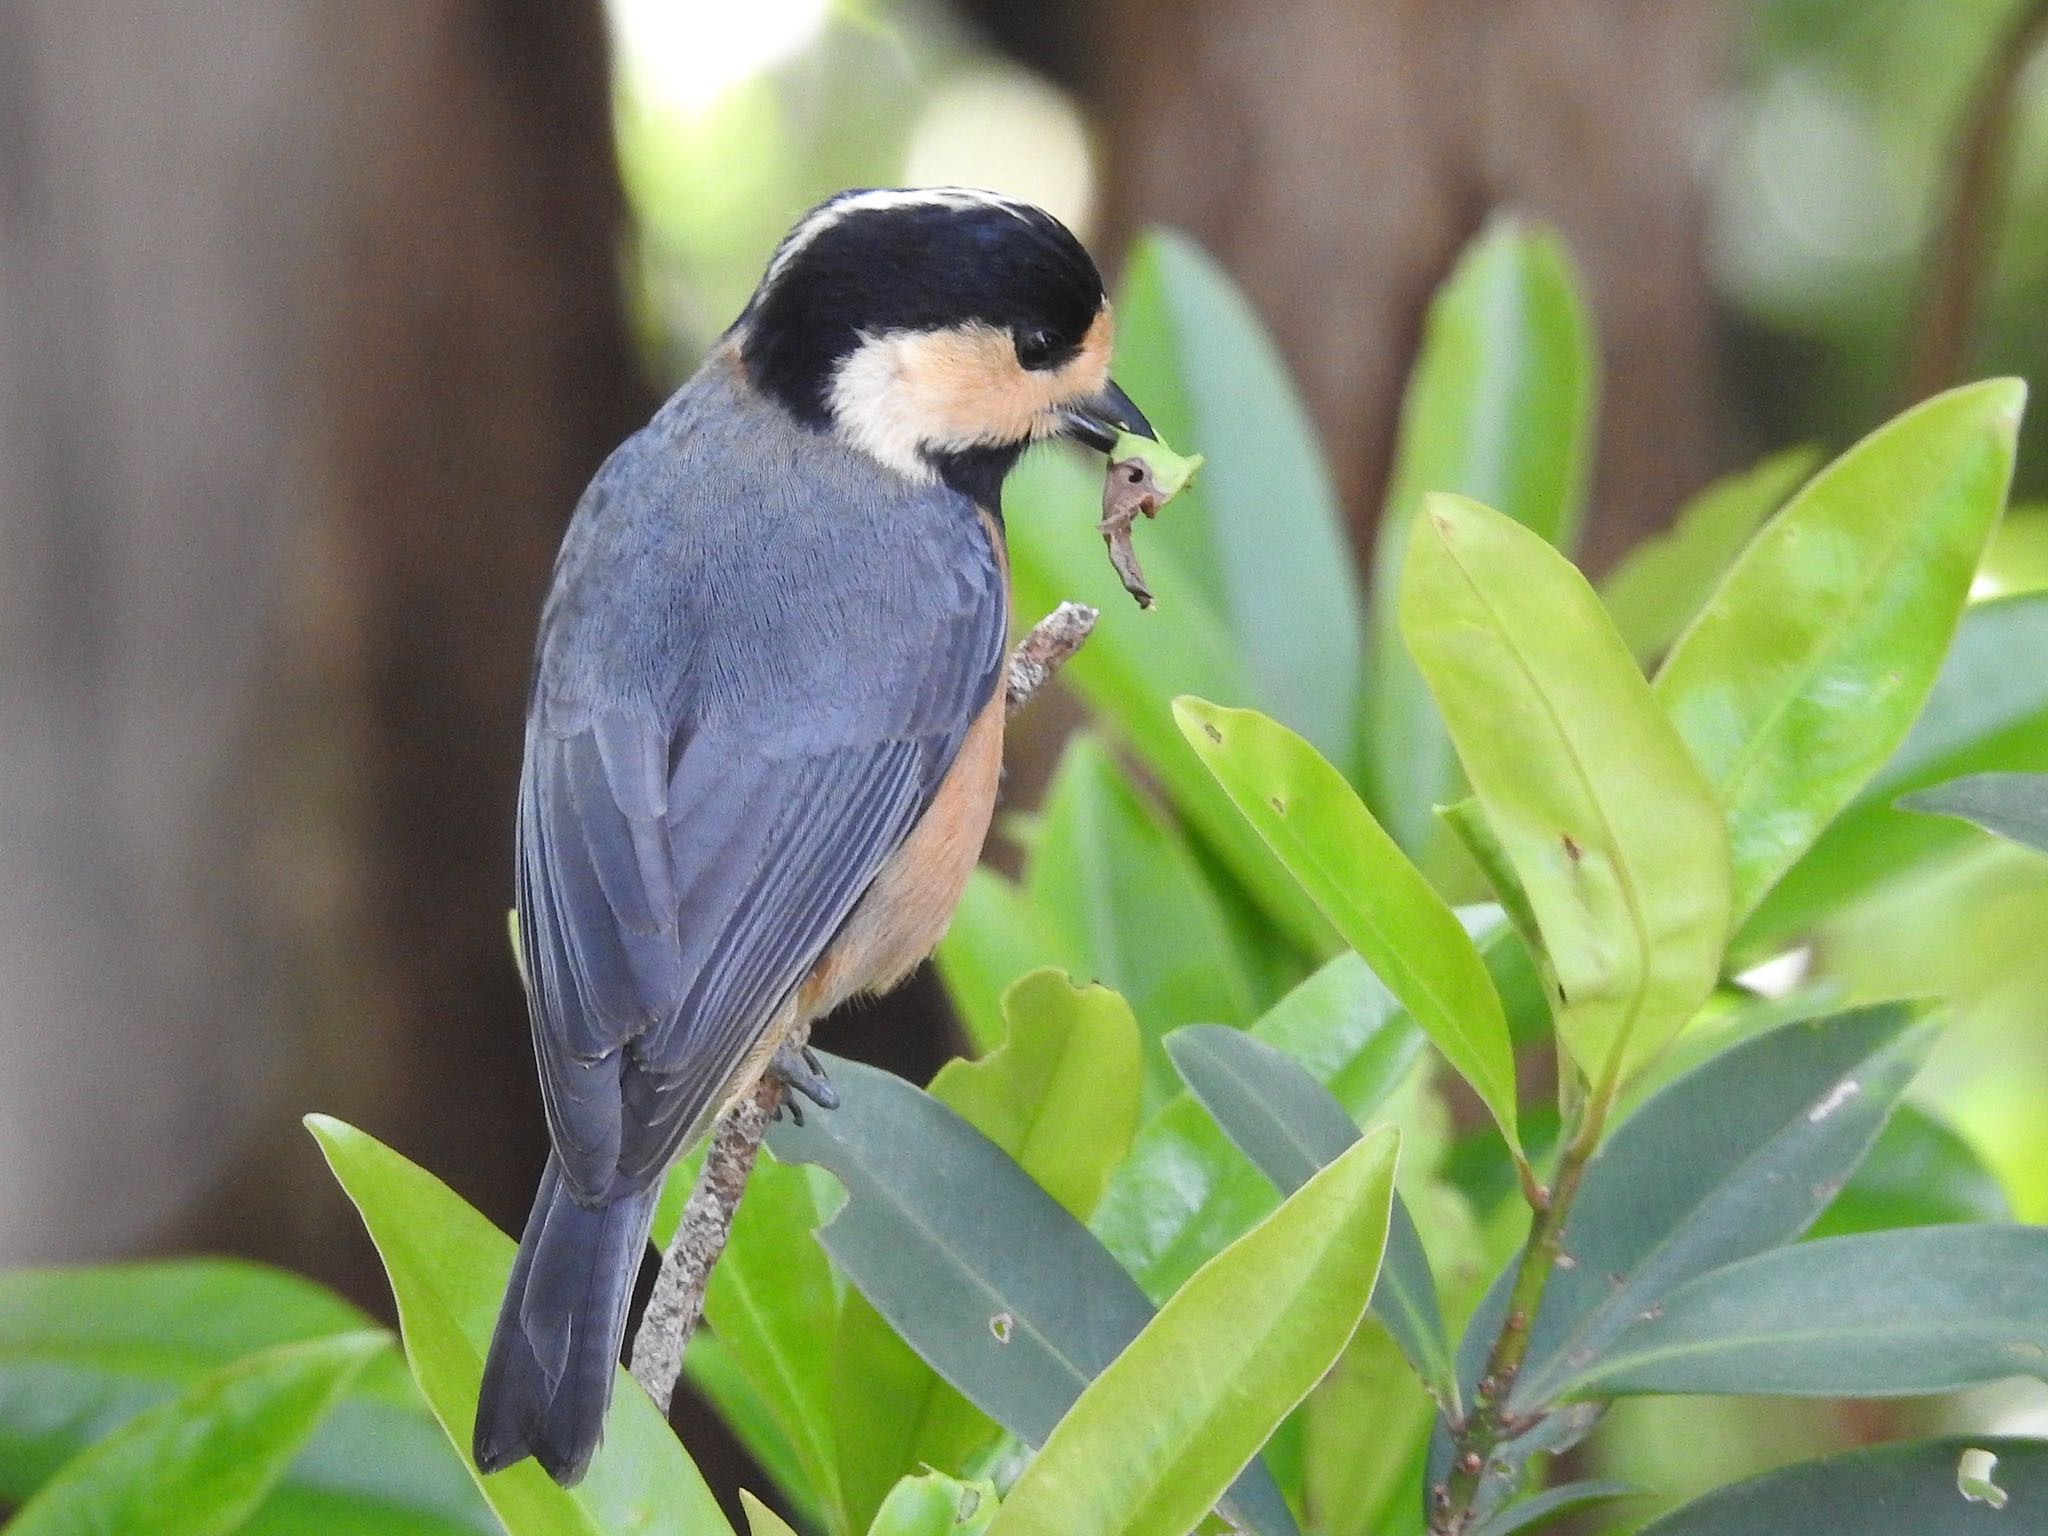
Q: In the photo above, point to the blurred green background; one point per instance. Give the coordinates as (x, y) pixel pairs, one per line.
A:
(315, 319)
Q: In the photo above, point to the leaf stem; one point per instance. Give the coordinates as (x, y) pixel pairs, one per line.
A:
(1488, 1426)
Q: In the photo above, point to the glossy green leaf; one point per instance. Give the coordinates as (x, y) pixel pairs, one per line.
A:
(82, 1351)
(1885, 1490)
(761, 1520)
(2013, 805)
(1216, 1371)
(1540, 1509)
(1136, 662)
(1984, 715)
(1379, 901)
(1263, 517)
(1500, 407)
(448, 1267)
(1734, 1158)
(1007, 1297)
(1920, 1173)
(1654, 593)
(1184, 1192)
(1614, 834)
(200, 1464)
(1290, 1126)
(1061, 1095)
(1880, 1314)
(933, 1504)
(1132, 909)
(997, 934)
(1803, 673)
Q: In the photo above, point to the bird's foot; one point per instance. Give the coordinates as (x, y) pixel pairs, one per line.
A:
(799, 1070)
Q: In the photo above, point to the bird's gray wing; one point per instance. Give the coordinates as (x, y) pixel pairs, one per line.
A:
(677, 882)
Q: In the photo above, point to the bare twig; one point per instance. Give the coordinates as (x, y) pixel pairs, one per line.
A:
(677, 1304)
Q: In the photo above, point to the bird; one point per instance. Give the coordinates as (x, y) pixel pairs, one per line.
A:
(765, 724)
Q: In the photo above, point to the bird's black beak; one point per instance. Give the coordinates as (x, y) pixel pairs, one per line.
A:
(1101, 419)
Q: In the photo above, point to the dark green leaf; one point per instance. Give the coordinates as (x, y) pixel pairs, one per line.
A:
(1319, 828)
(1001, 1291)
(1606, 819)
(448, 1268)
(1665, 580)
(1499, 408)
(1184, 1191)
(2013, 805)
(1886, 1490)
(1262, 518)
(1538, 1510)
(1920, 1174)
(1734, 1158)
(82, 1351)
(1804, 672)
(200, 1464)
(1881, 1314)
(1212, 1376)
(1290, 1126)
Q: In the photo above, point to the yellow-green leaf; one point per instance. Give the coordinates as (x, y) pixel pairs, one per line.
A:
(1318, 827)
(1152, 1443)
(1805, 670)
(1593, 798)
(1061, 1095)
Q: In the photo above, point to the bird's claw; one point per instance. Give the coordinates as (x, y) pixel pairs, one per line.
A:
(802, 1072)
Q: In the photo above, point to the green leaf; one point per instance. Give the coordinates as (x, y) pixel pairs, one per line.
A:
(1662, 584)
(1736, 1157)
(82, 1351)
(1264, 517)
(1984, 715)
(1886, 1490)
(1132, 909)
(761, 1520)
(711, 1372)
(1881, 1314)
(1290, 1126)
(1804, 672)
(1134, 663)
(767, 1302)
(200, 1464)
(1500, 408)
(933, 1504)
(1594, 800)
(997, 934)
(1366, 886)
(1539, 1509)
(1061, 1095)
(1184, 1192)
(1217, 1370)
(1919, 1174)
(448, 1267)
(1000, 1290)
(2013, 805)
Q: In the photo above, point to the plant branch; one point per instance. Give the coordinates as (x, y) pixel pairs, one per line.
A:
(677, 1304)
(1961, 254)
(1487, 1427)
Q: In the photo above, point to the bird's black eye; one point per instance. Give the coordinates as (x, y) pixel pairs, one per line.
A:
(1036, 348)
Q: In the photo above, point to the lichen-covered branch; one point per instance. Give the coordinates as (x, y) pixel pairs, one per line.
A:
(677, 1303)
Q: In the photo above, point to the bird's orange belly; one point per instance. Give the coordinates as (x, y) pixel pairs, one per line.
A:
(905, 910)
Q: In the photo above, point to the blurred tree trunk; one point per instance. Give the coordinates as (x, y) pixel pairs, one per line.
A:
(1337, 153)
(310, 336)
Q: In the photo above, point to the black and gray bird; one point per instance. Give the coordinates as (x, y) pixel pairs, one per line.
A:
(766, 720)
